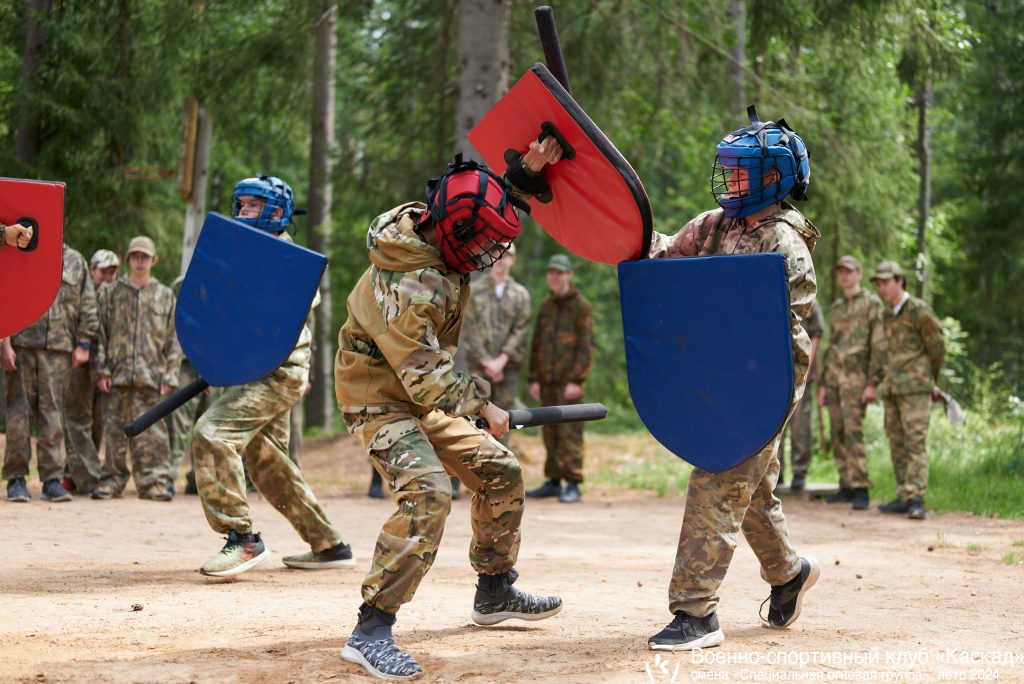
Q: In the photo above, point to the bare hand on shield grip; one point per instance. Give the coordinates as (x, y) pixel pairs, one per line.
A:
(17, 235)
(540, 153)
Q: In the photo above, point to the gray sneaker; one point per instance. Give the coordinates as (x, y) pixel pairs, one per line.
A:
(53, 491)
(686, 633)
(339, 556)
(497, 600)
(17, 490)
(373, 646)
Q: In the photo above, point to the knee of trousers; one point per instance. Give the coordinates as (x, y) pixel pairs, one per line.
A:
(499, 470)
(205, 435)
(427, 495)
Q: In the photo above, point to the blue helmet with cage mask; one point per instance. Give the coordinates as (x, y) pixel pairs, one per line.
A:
(275, 194)
(742, 181)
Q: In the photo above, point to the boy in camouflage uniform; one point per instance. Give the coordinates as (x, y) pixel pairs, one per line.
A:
(37, 361)
(400, 394)
(916, 351)
(755, 169)
(800, 428)
(854, 364)
(249, 426)
(83, 414)
(560, 360)
(137, 363)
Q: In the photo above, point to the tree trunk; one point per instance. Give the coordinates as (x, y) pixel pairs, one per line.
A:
(924, 195)
(320, 403)
(482, 64)
(738, 15)
(27, 144)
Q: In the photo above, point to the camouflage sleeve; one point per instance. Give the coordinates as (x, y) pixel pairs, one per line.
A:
(516, 342)
(687, 242)
(584, 344)
(172, 350)
(88, 315)
(877, 346)
(471, 342)
(101, 362)
(814, 324)
(934, 345)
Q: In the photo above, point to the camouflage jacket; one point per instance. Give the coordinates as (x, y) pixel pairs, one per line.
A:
(138, 346)
(496, 325)
(71, 317)
(786, 232)
(915, 348)
(814, 325)
(856, 347)
(395, 351)
(563, 340)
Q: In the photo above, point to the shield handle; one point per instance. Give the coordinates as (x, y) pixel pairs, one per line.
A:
(34, 225)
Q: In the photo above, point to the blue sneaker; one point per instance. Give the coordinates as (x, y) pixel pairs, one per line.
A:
(53, 491)
(17, 491)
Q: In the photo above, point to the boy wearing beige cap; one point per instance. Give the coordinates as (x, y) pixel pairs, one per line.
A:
(137, 361)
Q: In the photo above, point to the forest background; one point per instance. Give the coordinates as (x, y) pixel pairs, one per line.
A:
(911, 110)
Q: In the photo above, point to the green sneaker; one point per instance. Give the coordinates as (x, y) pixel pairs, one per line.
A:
(242, 553)
(339, 556)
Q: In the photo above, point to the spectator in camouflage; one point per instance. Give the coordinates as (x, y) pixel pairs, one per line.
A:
(137, 362)
(854, 364)
(560, 360)
(916, 350)
(37, 361)
(83, 408)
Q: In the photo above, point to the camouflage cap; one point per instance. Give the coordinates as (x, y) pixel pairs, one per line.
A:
(104, 258)
(560, 262)
(142, 244)
(886, 270)
(848, 262)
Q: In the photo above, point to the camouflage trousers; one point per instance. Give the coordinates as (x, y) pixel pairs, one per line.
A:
(906, 423)
(83, 429)
(718, 507)
(150, 452)
(35, 391)
(846, 418)
(505, 393)
(800, 435)
(415, 455)
(249, 426)
(563, 443)
(181, 422)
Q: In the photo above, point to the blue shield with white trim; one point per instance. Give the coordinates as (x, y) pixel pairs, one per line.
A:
(244, 301)
(708, 353)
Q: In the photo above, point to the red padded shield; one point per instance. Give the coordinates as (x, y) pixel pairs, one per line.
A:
(30, 278)
(599, 209)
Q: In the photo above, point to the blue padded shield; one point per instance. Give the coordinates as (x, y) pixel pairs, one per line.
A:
(708, 353)
(244, 301)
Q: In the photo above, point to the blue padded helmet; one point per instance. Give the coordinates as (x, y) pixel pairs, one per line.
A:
(275, 193)
(757, 149)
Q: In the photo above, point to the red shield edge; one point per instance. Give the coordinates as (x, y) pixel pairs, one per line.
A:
(599, 209)
(31, 279)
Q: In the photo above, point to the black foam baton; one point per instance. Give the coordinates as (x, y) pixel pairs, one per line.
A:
(551, 415)
(552, 48)
(173, 401)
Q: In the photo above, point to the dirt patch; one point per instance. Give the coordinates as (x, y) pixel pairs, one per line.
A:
(109, 591)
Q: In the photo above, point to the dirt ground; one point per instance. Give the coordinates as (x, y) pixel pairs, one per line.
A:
(897, 601)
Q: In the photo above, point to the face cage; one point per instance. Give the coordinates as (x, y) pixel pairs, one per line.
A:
(753, 194)
(264, 220)
(466, 246)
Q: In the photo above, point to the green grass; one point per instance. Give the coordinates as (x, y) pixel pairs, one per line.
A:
(1019, 542)
(975, 549)
(1013, 558)
(941, 542)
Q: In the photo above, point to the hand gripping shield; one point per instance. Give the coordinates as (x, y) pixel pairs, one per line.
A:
(598, 207)
(708, 353)
(244, 301)
(31, 276)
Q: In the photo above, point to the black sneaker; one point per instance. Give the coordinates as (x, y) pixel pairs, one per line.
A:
(372, 646)
(844, 495)
(338, 556)
(190, 484)
(915, 509)
(571, 493)
(456, 489)
(798, 483)
(861, 501)
(686, 633)
(497, 600)
(548, 489)
(17, 490)
(376, 487)
(52, 491)
(895, 506)
(786, 600)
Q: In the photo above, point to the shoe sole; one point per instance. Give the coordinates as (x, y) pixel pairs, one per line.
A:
(487, 619)
(239, 569)
(812, 578)
(706, 641)
(56, 499)
(327, 565)
(19, 499)
(354, 656)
